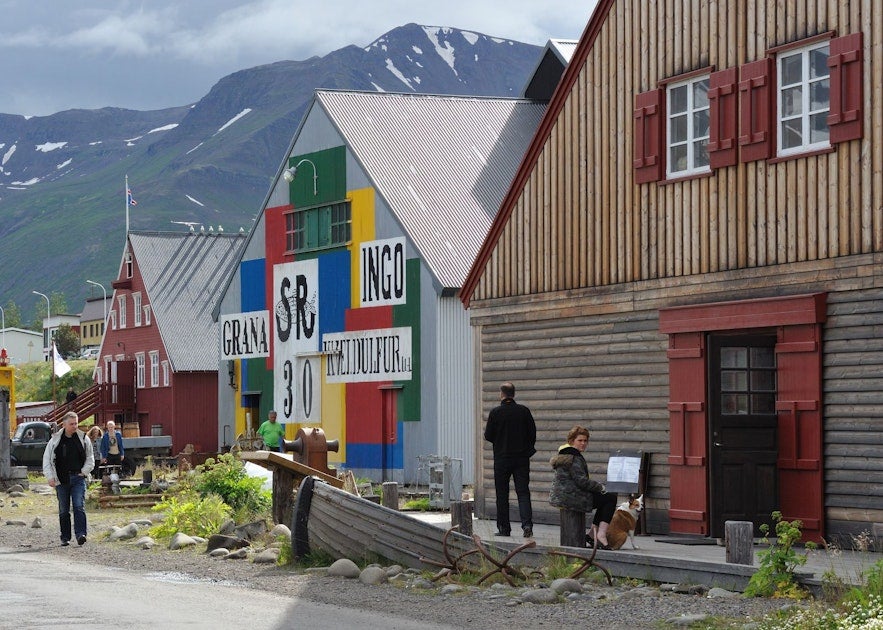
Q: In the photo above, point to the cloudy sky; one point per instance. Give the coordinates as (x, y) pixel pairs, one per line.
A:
(151, 54)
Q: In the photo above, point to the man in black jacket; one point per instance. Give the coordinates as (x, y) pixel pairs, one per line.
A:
(512, 431)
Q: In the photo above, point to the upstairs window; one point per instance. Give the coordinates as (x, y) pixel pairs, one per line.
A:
(321, 227)
(122, 308)
(804, 97)
(688, 127)
(154, 368)
(147, 315)
(139, 370)
(136, 307)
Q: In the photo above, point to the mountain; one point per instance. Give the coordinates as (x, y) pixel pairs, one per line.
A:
(62, 198)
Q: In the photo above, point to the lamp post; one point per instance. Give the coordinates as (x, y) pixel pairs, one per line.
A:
(289, 173)
(3, 324)
(48, 316)
(104, 303)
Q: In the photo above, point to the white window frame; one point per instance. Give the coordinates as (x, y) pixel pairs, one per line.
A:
(136, 307)
(805, 112)
(121, 301)
(147, 314)
(691, 139)
(113, 320)
(99, 374)
(165, 373)
(154, 368)
(139, 370)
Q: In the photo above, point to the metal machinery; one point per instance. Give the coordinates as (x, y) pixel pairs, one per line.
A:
(311, 448)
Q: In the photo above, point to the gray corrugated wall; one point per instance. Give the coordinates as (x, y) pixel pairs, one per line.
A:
(853, 385)
(608, 373)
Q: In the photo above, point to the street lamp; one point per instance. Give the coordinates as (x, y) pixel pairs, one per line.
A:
(289, 173)
(3, 324)
(98, 284)
(48, 316)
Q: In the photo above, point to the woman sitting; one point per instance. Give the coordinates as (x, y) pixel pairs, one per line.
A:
(572, 488)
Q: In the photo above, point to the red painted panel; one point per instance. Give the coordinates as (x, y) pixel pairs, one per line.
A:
(845, 60)
(274, 253)
(649, 139)
(688, 434)
(744, 314)
(722, 105)
(756, 104)
(364, 401)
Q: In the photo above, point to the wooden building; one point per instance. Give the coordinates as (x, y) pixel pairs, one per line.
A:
(690, 262)
(161, 343)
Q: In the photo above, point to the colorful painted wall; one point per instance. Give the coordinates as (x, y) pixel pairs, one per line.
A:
(343, 323)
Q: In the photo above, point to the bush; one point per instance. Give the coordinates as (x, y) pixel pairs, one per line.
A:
(191, 514)
(775, 577)
(226, 478)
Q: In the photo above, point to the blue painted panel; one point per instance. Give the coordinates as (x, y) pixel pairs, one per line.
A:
(334, 291)
(372, 455)
(252, 286)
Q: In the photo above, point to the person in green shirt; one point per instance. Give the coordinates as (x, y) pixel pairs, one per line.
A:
(271, 431)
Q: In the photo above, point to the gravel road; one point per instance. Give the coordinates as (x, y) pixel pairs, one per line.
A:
(620, 606)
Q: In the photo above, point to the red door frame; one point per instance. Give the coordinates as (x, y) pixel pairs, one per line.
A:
(798, 322)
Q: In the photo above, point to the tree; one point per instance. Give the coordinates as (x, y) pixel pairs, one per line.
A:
(12, 315)
(67, 341)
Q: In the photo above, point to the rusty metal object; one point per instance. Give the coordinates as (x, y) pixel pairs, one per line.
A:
(587, 563)
(311, 448)
(453, 565)
(503, 567)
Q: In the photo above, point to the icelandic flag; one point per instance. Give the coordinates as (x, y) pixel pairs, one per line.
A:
(61, 367)
(130, 200)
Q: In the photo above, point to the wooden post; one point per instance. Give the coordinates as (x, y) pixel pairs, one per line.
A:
(283, 494)
(573, 528)
(389, 495)
(740, 542)
(461, 514)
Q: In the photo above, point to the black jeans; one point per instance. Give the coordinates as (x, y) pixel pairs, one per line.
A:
(605, 506)
(519, 469)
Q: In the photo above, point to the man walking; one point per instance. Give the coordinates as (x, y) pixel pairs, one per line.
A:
(67, 462)
(271, 431)
(513, 432)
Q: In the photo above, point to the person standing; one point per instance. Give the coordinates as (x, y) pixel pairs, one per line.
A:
(112, 450)
(272, 432)
(71, 395)
(67, 462)
(513, 432)
(572, 488)
(94, 434)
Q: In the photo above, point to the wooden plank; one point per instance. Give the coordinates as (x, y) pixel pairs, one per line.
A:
(271, 460)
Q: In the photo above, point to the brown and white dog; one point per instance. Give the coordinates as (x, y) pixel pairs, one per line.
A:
(622, 525)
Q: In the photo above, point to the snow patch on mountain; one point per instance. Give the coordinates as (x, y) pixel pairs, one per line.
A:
(197, 202)
(164, 128)
(445, 51)
(46, 147)
(392, 68)
(65, 163)
(7, 155)
(244, 112)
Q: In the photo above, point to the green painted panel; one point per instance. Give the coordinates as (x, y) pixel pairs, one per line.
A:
(409, 315)
(330, 177)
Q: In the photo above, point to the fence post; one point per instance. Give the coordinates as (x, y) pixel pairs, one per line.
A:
(740, 542)
(389, 495)
(573, 528)
(461, 514)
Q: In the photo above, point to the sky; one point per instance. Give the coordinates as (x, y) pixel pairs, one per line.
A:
(151, 54)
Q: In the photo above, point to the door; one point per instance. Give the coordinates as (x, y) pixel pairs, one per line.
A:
(743, 430)
(388, 424)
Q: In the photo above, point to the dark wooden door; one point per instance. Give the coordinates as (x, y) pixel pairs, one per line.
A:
(743, 431)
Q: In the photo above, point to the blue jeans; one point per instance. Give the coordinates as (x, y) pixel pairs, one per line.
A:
(72, 493)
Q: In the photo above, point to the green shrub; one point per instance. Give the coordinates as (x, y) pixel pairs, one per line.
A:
(775, 577)
(226, 477)
(191, 514)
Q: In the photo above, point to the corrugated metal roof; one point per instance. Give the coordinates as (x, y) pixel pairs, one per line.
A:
(94, 308)
(441, 163)
(563, 48)
(183, 275)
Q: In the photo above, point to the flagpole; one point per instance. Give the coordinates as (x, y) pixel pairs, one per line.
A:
(52, 352)
(126, 193)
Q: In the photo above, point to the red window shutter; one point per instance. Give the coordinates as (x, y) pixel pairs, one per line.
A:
(649, 139)
(756, 105)
(845, 61)
(722, 105)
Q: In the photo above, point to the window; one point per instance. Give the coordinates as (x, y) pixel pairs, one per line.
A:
(99, 378)
(165, 373)
(147, 315)
(122, 306)
(129, 265)
(318, 228)
(154, 368)
(803, 99)
(688, 127)
(136, 307)
(139, 369)
(113, 320)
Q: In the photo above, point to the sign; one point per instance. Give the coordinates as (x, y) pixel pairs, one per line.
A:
(362, 356)
(308, 384)
(382, 272)
(295, 329)
(623, 472)
(245, 335)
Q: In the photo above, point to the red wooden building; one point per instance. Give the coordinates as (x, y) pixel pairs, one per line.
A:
(161, 343)
(689, 262)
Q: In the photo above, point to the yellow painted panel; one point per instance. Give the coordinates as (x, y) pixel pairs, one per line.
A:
(362, 208)
(334, 418)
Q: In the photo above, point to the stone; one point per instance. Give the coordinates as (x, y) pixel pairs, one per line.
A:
(143, 522)
(540, 596)
(228, 527)
(344, 568)
(222, 541)
(17, 494)
(17, 523)
(145, 542)
(267, 556)
(566, 585)
(251, 530)
(37, 523)
(449, 589)
(220, 552)
(687, 620)
(394, 570)
(422, 583)
(124, 533)
(722, 593)
(14, 488)
(372, 576)
(280, 530)
(239, 554)
(181, 540)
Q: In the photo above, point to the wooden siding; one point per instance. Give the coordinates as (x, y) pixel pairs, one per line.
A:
(580, 220)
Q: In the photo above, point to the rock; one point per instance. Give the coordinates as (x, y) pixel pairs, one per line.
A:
(267, 556)
(540, 596)
(16, 494)
(42, 489)
(421, 583)
(219, 552)
(251, 530)
(37, 523)
(372, 576)
(145, 542)
(124, 533)
(222, 541)
(181, 540)
(344, 568)
(450, 589)
(228, 527)
(687, 620)
(14, 488)
(722, 593)
(566, 585)
(280, 530)
(17, 523)
(239, 554)
(143, 522)
(393, 570)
